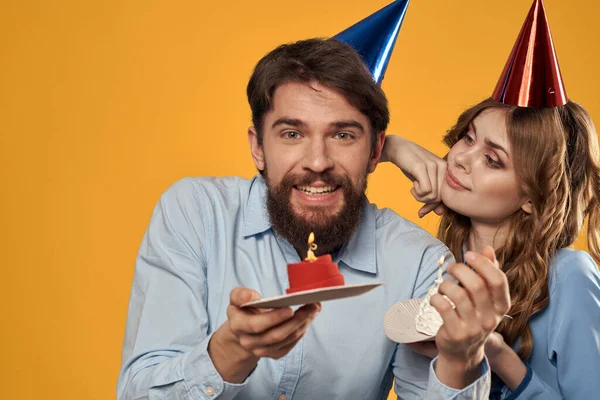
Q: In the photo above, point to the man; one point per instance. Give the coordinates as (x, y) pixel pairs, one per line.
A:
(318, 130)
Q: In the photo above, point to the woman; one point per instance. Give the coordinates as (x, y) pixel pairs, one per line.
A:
(524, 181)
(523, 176)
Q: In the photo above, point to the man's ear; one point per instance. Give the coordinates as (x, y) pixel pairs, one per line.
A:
(256, 149)
(377, 150)
(527, 207)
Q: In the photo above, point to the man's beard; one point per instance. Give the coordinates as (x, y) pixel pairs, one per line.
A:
(331, 231)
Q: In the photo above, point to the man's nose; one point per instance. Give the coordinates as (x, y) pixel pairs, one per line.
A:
(317, 158)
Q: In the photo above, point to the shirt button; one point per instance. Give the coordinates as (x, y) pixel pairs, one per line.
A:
(281, 397)
(209, 391)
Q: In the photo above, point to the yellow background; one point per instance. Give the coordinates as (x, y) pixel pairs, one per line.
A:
(104, 104)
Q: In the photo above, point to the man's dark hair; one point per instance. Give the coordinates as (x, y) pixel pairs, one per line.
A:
(328, 61)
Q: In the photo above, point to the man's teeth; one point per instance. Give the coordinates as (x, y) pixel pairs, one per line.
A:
(316, 190)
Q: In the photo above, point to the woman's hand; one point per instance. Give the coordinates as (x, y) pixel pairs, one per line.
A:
(479, 301)
(426, 170)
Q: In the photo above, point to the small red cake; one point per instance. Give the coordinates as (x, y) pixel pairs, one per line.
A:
(320, 273)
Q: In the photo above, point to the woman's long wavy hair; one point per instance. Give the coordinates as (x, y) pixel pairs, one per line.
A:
(557, 161)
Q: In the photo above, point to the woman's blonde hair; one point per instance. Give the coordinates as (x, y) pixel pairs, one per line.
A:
(556, 159)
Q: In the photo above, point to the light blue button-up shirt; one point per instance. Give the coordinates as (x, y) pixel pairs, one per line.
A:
(565, 361)
(208, 236)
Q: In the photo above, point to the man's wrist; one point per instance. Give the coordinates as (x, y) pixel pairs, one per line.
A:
(232, 361)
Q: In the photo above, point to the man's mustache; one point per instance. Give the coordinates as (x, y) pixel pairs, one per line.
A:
(311, 177)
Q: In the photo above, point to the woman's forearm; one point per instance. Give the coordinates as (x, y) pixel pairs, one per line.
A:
(509, 367)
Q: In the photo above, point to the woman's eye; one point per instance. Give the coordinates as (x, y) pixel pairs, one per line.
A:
(491, 162)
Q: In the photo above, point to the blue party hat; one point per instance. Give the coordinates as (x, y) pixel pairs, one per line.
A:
(374, 37)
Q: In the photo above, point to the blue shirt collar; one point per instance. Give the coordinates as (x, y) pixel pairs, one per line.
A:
(256, 219)
(360, 253)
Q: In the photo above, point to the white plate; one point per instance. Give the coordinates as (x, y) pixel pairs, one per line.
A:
(313, 296)
(399, 322)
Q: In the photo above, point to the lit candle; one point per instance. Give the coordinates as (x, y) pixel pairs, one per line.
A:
(312, 246)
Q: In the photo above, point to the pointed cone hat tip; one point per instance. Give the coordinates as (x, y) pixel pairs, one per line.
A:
(375, 36)
(531, 77)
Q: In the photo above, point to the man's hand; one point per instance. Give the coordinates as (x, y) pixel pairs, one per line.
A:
(250, 334)
(481, 301)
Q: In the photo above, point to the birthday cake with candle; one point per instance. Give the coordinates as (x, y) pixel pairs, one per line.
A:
(313, 272)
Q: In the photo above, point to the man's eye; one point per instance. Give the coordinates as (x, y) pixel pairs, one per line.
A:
(343, 135)
(292, 135)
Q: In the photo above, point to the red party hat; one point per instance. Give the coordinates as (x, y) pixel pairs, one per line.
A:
(531, 77)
